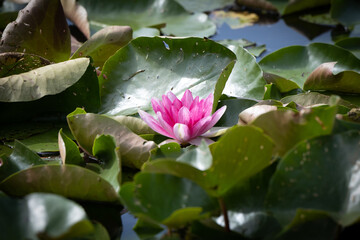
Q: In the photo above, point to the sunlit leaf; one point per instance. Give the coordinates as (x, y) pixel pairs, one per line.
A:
(131, 77)
(41, 29)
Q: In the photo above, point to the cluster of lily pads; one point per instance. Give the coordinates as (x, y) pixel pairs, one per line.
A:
(74, 151)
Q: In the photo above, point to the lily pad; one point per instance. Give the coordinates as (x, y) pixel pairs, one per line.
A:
(41, 29)
(104, 44)
(287, 6)
(153, 66)
(134, 150)
(305, 178)
(204, 5)
(287, 128)
(15, 63)
(345, 12)
(246, 79)
(59, 217)
(296, 63)
(351, 44)
(67, 180)
(48, 80)
(69, 151)
(183, 202)
(148, 13)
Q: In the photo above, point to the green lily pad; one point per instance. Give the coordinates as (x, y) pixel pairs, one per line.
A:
(296, 63)
(134, 150)
(149, 13)
(83, 93)
(285, 7)
(47, 80)
(246, 79)
(322, 78)
(174, 204)
(67, 180)
(40, 29)
(69, 151)
(104, 149)
(136, 125)
(59, 218)
(345, 12)
(311, 99)
(321, 173)
(240, 153)
(15, 63)
(351, 44)
(104, 44)
(287, 128)
(150, 67)
(21, 158)
(204, 5)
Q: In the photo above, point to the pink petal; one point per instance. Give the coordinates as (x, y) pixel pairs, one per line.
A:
(208, 104)
(153, 123)
(177, 104)
(165, 125)
(181, 132)
(196, 114)
(199, 126)
(184, 116)
(156, 105)
(197, 141)
(194, 103)
(187, 98)
(214, 119)
(171, 96)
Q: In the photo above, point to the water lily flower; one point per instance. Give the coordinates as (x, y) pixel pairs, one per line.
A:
(185, 121)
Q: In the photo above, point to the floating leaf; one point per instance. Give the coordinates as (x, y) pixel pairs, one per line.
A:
(285, 7)
(296, 63)
(42, 215)
(287, 128)
(21, 158)
(322, 78)
(77, 14)
(183, 202)
(246, 79)
(351, 44)
(204, 5)
(48, 80)
(134, 150)
(41, 29)
(67, 180)
(149, 13)
(136, 125)
(69, 151)
(104, 149)
(16, 63)
(306, 178)
(104, 44)
(153, 66)
(345, 11)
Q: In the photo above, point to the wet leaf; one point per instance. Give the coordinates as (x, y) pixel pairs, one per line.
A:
(204, 5)
(345, 11)
(322, 78)
(306, 178)
(246, 80)
(296, 63)
(104, 44)
(42, 215)
(67, 180)
(133, 149)
(133, 74)
(47, 80)
(184, 201)
(16, 63)
(77, 14)
(21, 158)
(351, 44)
(40, 29)
(287, 128)
(149, 13)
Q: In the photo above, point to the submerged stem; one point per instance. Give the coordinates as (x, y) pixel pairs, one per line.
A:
(224, 213)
